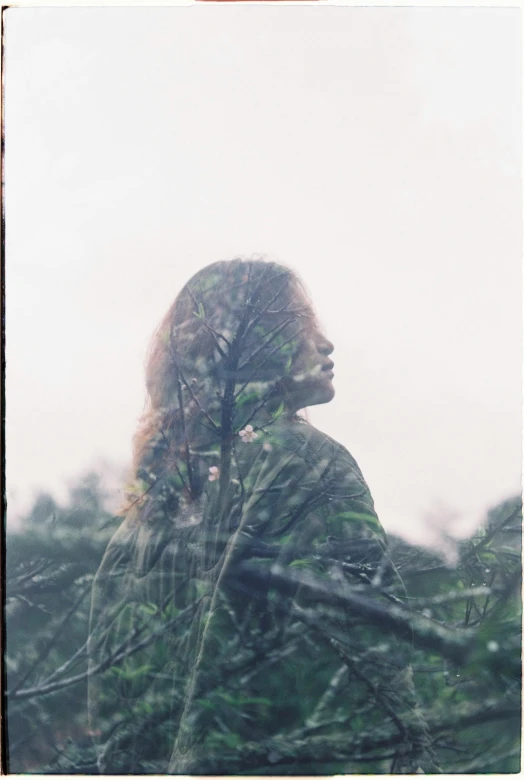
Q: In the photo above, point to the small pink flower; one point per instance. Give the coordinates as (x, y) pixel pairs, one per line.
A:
(248, 434)
(214, 473)
(267, 446)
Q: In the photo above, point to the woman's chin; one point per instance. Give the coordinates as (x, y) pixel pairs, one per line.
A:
(329, 394)
(322, 394)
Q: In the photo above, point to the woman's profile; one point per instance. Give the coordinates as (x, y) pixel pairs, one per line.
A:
(209, 653)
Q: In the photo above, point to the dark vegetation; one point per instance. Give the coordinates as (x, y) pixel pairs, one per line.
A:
(462, 623)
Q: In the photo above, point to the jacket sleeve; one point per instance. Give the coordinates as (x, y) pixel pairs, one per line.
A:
(132, 690)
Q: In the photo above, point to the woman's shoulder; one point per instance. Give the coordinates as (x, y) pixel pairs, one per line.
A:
(309, 443)
(325, 459)
(328, 476)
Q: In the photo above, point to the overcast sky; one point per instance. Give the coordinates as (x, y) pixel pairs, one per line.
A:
(375, 150)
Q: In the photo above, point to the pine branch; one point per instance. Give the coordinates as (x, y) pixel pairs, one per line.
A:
(122, 652)
(423, 632)
(50, 644)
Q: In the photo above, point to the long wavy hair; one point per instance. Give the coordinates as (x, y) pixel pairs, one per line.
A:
(221, 357)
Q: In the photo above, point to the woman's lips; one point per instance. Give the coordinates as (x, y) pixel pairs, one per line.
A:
(328, 369)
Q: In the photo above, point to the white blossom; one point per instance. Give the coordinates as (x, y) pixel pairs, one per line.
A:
(214, 473)
(247, 434)
(492, 646)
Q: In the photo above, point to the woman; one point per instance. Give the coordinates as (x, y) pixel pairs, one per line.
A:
(216, 643)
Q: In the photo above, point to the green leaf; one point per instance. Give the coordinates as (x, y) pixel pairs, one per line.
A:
(301, 564)
(360, 517)
(201, 311)
(149, 608)
(278, 413)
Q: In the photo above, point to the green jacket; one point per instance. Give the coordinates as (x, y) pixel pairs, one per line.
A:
(202, 663)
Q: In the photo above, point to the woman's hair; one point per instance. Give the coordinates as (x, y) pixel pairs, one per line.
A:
(223, 352)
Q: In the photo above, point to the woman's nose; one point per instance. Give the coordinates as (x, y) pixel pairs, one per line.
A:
(325, 346)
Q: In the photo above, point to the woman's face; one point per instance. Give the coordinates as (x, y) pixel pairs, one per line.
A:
(310, 381)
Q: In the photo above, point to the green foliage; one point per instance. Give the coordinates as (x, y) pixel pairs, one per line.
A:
(469, 697)
(472, 707)
(51, 561)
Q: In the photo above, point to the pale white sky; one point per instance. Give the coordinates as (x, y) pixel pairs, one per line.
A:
(375, 150)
